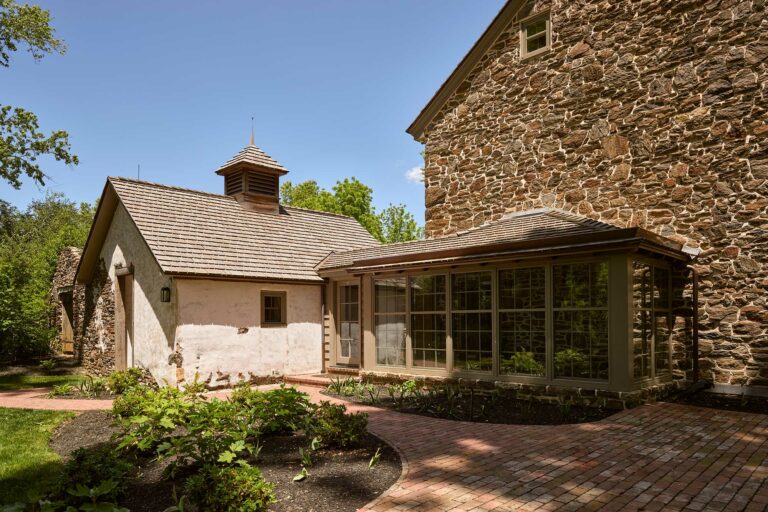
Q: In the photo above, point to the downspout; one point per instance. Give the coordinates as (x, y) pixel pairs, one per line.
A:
(695, 320)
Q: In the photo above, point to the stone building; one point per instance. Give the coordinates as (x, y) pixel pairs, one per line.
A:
(68, 302)
(634, 113)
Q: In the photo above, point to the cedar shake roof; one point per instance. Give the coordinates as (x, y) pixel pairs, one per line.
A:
(201, 234)
(540, 230)
(253, 155)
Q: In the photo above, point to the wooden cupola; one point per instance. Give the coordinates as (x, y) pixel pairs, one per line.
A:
(253, 178)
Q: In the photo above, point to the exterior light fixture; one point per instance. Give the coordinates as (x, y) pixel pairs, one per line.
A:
(165, 294)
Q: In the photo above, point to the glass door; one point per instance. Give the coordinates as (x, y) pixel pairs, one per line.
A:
(348, 350)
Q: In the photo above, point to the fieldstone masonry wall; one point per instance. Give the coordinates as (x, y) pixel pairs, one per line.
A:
(96, 329)
(63, 279)
(645, 113)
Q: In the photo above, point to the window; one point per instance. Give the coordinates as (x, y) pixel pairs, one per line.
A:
(349, 322)
(580, 310)
(535, 35)
(472, 321)
(273, 309)
(522, 321)
(428, 321)
(389, 321)
(651, 327)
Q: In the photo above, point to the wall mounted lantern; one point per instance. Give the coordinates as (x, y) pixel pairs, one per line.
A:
(165, 294)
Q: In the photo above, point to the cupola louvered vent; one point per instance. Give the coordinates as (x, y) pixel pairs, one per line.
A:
(233, 184)
(265, 184)
(253, 179)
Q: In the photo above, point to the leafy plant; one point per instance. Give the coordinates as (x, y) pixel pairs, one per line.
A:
(522, 362)
(375, 459)
(570, 361)
(121, 381)
(217, 432)
(277, 411)
(48, 365)
(95, 497)
(334, 427)
(91, 386)
(61, 390)
(301, 475)
(235, 489)
(89, 468)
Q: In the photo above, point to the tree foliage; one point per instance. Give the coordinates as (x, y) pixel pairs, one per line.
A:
(21, 142)
(30, 243)
(354, 199)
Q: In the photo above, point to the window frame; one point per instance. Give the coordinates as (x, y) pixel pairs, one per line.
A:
(653, 311)
(523, 35)
(283, 296)
(412, 312)
(406, 312)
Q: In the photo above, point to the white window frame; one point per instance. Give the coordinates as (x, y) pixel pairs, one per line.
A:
(524, 53)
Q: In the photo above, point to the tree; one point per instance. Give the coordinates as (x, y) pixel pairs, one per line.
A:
(29, 248)
(398, 225)
(353, 198)
(21, 142)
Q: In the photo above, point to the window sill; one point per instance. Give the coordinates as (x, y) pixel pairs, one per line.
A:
(273, 326)
(538, 53)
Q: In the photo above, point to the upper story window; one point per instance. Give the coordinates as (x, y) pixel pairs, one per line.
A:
(535, 35)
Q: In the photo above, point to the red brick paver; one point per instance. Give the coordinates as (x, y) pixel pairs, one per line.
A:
(654, 457)
(36, 398)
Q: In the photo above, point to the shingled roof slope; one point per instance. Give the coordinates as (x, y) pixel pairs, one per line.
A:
(198, 233)
(529, 226)
(252, 154)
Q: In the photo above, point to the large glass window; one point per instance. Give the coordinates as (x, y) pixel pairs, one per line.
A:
(389, 321)
(428, 321)
(580, 309)
(651, 325)
(471, 303)
(349, 322)
(522, 321)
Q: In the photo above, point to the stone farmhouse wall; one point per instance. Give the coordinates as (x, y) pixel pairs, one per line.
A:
(644, 113)
(63, 278)
(96, 327)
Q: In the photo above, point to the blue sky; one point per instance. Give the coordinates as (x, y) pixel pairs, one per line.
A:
(172, 86)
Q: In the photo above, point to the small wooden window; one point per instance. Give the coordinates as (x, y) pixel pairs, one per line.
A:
(535, 35)
(273, 309)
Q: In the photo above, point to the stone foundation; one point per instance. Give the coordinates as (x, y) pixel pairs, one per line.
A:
(96, 334)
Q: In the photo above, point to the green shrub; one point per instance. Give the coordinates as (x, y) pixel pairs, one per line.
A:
(92, 387)
(62, 390)
(232, 489)
(147, 416)
(121, 381)
(277, 411)
(216, 432)
(89, 468)
(48, 365)
(334, 427)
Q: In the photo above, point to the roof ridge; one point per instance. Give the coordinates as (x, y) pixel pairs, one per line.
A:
(579, 219)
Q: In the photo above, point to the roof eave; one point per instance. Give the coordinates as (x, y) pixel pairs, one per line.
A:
(624, 238)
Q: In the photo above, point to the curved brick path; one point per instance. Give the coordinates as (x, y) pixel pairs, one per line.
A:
(655, 457)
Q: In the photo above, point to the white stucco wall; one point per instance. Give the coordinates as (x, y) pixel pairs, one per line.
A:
(220, 337)
(154, 322)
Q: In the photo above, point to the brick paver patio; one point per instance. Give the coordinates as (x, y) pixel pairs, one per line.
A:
(655, 457)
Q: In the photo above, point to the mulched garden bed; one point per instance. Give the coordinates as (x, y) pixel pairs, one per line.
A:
(488, 408)
(339, 480)
(739, 403)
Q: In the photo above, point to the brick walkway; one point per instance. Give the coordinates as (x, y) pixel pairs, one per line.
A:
(35, 398)
(655, 457)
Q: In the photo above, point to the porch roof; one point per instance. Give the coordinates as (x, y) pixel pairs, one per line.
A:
(528, 233)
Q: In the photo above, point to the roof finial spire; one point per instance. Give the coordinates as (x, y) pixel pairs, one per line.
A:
(252, 143)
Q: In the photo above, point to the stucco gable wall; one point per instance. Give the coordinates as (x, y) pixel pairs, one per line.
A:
(220, 337)
(644, 113)
(153, 321)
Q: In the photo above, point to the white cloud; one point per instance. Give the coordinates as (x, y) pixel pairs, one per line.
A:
(415, 175)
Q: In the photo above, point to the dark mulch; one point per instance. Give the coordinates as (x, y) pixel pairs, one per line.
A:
(739, 403)
(339, 480)
(490, 408)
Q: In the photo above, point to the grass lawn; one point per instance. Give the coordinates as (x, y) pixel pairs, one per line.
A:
(24, 381)
(27, 466)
